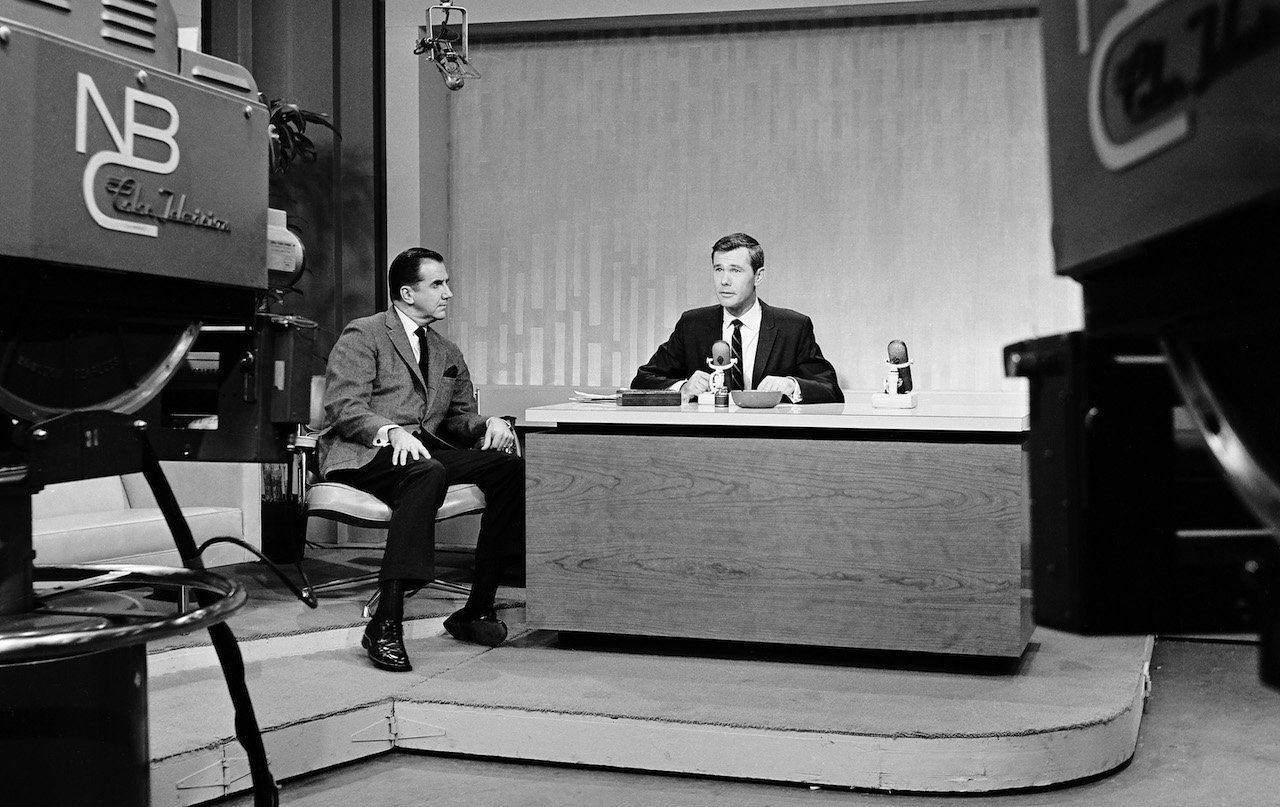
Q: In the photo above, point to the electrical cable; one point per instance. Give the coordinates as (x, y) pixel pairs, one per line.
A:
(266, 793)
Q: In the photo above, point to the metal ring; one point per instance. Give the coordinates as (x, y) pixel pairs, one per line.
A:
(1241, 465)
(126, 401)
(40, 636)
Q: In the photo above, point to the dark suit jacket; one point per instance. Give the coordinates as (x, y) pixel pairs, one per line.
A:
(373, 380)
(786, 347)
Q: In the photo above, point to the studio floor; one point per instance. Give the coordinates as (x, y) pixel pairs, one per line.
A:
(1209, 733)
(1210, 738)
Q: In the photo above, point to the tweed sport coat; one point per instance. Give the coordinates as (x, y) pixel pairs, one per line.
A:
(373, 380)
(786, 347)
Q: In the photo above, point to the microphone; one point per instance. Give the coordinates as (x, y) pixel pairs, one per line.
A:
(720, 353)
(898, 358)
(720, 361)
(446, 45)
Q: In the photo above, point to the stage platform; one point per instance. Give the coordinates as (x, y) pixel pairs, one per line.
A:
(1069, 709)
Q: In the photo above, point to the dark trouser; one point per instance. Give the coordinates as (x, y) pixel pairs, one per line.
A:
(415, 491)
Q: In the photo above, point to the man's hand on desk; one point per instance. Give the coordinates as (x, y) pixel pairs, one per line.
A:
(404, 446)
(787, 385)
(697, 384)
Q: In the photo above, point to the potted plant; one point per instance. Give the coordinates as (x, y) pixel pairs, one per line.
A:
(287, 125)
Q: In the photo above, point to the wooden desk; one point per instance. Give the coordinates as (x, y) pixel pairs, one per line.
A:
(830, 524)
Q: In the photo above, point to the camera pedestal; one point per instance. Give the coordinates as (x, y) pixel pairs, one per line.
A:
(884, 400)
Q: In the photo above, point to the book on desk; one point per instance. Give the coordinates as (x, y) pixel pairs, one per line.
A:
(649, 397)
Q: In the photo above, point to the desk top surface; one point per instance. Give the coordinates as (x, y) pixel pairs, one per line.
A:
(935, 411)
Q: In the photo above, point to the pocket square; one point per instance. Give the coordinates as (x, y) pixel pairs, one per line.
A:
(452, 372)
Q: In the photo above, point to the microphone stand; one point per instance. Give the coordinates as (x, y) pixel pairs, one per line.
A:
(892, 397)
(716, 385)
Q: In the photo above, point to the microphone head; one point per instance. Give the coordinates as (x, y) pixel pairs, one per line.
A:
(897, 351)
(720, 353)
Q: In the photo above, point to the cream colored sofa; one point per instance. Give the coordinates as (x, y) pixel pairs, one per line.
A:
(115, 519)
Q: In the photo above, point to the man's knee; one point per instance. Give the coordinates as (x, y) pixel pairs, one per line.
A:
(423, 474)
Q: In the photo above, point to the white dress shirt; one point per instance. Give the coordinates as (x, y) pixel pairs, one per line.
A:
(410, 330)
(750, 338)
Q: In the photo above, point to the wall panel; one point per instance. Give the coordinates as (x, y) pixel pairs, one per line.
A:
(895, 171)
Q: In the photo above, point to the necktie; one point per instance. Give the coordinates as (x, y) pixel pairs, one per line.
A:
(735, 346)
(422, 351)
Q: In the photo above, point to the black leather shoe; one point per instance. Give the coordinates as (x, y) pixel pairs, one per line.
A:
(384, 639)
(485, 629)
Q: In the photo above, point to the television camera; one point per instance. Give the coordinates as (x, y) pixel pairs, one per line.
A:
(135, 325)
(1154, 450)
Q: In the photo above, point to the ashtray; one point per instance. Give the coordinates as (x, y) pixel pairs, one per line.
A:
(755, 398)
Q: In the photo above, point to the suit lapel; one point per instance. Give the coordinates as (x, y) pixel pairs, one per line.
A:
(435, 365)
(437, 361)
(400, 341)
(764, 344)
(712, 332)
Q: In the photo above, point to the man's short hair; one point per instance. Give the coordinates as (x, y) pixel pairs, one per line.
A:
(738, 240)
(405, 269)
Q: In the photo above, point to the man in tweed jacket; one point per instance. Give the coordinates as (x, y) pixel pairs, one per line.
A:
(401, 423)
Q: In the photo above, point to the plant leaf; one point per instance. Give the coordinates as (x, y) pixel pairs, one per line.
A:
(323, 120)
(286, 123)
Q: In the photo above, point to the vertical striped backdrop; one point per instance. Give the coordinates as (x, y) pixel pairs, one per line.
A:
(895, 172)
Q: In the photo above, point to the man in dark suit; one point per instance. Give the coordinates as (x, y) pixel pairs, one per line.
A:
(400, 421)
(774, 347)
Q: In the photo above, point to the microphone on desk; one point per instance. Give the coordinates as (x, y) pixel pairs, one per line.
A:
(720, 354)
(898, 358)
(721, 360)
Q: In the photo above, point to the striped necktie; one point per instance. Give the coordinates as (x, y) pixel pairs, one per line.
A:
(735, 345)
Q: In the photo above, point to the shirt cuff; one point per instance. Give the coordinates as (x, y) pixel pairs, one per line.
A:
(795, 395)
(381, 439)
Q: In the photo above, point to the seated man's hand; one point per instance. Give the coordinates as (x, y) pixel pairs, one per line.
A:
(697, 384)
(498, 435)
(404, 447)
(787, 386)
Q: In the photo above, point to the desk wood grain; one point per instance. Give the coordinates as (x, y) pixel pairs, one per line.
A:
(837, 542)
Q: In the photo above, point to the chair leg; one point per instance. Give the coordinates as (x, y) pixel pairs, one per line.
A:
(371, 605)
(452, 588)
(347, 581)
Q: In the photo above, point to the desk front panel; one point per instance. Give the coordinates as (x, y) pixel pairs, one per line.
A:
(902, 544)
